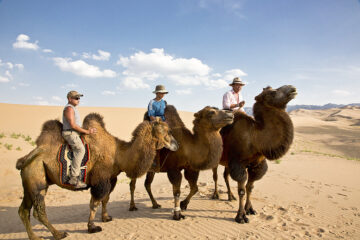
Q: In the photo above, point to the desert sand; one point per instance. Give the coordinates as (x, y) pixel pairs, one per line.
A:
(313, 192)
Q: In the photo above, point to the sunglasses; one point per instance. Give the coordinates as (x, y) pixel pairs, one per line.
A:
(76, 98)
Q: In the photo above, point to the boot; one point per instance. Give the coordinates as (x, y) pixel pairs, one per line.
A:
(77, 183)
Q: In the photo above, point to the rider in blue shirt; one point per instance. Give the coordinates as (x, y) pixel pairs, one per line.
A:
(157, 105)
(156, 108)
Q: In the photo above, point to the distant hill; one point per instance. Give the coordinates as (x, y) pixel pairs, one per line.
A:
(290, 108)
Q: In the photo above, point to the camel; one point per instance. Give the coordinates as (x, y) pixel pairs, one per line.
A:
(249, 141)
(198, 151)
(109, 157)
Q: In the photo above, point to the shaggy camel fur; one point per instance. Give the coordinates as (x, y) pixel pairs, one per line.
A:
(249, 141)
(198, 151)
(109, 157)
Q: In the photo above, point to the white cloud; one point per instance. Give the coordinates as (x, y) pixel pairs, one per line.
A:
(157, 65)
(184, 91)
(8, 74)
(4, 79)
(19, 66)
(22, 42)
(103, 56)
(58, 99)
(47, 51)
(74, 54)
(135, 83)
(106, 92)
(341, 93)
(82, 68)
(10, 65)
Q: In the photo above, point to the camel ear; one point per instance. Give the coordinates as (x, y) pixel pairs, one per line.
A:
(196, 115)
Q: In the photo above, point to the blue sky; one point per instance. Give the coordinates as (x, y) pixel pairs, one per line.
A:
(115, 52)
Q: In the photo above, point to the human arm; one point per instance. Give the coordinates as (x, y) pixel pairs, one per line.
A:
(151, 111)
(70, 116)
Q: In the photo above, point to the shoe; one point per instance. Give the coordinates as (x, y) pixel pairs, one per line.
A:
(77, 183)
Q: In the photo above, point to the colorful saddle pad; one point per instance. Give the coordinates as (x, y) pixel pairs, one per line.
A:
(65, 158)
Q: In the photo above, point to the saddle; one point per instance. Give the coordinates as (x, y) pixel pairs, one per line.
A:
(65, 158)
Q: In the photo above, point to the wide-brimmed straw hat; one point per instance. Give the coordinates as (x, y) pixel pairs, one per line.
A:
(160, 89)
(73, 94)
(237, 80)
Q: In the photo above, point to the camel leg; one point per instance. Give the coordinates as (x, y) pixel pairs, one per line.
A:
(132, 190)
(255, 173)
(175, 179)
(191, 177)
(239, 174)
(149, 179)
(40, 214)
(215, 177)
(24, 213)
(94, 204)
(105, 216)
(226, 178)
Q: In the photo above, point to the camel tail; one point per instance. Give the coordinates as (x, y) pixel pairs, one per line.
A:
(22, 162)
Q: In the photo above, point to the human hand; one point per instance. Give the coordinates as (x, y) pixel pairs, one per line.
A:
(241, 104)
(92, 130)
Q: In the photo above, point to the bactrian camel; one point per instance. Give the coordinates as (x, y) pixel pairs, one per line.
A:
(199, 150)
(249, 141)
(109, 157)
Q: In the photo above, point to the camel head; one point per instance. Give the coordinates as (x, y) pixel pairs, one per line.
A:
(213, 118)
(161, 132)
(277, 97)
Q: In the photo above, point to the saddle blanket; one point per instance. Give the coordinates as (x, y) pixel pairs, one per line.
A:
(65, 158)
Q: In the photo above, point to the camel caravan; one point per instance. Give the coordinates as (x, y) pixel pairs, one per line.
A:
(240, 142)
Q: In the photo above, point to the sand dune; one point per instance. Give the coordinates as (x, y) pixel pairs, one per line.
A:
(313, 192)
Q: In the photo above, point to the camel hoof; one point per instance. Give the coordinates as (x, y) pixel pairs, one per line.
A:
(183, 205)
(94, 229)
(215, 195)
(251, 211)
(156, 206)
(231, 197)
(107, 219)
(61, 235)
(178, 216)
(133, 208)
(241, 218)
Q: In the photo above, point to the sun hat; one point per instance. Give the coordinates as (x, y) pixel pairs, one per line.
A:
(237, 80)
(73, 94)
(160, 89)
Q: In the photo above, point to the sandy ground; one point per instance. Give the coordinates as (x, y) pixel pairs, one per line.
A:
(313, 192)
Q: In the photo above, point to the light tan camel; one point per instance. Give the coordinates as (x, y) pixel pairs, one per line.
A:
(109, 157)
(198, 151)
(248, 141)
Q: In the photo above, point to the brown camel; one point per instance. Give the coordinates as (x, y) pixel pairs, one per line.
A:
(198, 151)
(109, 157)
(249, 141)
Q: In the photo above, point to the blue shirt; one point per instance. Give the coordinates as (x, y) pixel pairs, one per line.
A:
(157, 108)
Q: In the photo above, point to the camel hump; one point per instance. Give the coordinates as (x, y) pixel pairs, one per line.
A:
(93, 117)
(172, 117)
(50, 133)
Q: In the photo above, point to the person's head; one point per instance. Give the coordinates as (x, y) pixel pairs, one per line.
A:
(74, 98)
(160, 91)
(237, 84)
